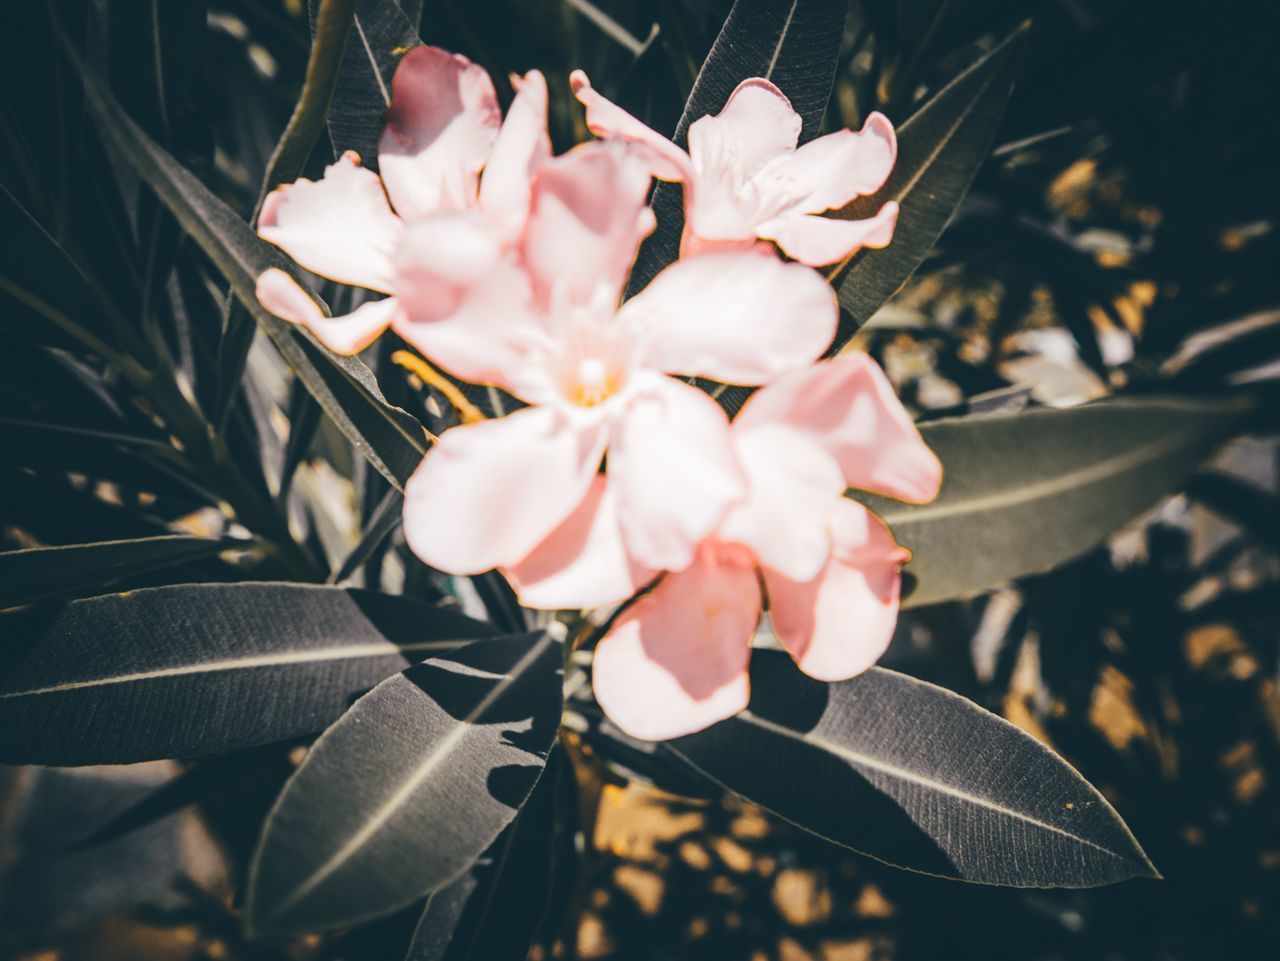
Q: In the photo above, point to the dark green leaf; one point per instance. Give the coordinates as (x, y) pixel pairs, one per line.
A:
(332, 25)
(795, 45)
(198, 784)
(39, 262)
(46, 885)
(389, 438)
(199, 669)
(157, 69)
(940, 148)
(916, 776)
(495, 908)
(1025, 492)
(331, 29)
(382, 32)
(52, 509)
(41, 572)
(386, 517)
(409, 787)
(126, 459)
(304, 419)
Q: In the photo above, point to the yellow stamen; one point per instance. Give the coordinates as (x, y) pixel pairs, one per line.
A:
(595, 384)
(469, 413)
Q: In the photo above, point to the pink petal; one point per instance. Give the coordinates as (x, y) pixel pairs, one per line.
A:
(818, 241)
(831, 171)
(340, 226)
(350, 334)
(792, 483)
(521, 147)
(583, 562)
(486, 494)
(466, 300)
(674, 470)
(441, 127)
(849, 407)
(675, 661)
(608, 121)
(715, 221)
(587, 219)
(737, 316)
(838, 624)
(756, 125)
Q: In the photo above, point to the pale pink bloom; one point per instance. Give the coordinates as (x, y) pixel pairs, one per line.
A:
(523, 492)
(675, 661)
(443, 129)
(745, 178)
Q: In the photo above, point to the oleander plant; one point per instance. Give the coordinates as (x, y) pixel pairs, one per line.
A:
(434, 429)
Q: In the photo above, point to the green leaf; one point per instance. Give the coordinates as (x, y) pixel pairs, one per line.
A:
(329, 42)
(940, 148)
(408, 788)
(40, 572)
(494, 910)
(381, 36)
(391, 440)
(796, 45)
(288, 160)
(49, 886)
(915, 776)
(1025, 492)
(43, 265)
(196, 784)
(201, 669)
(385, 518)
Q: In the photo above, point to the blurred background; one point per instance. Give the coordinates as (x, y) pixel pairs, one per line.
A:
(1120, 236)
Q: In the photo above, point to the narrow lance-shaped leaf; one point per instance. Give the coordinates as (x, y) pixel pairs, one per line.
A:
(41, 572)
(40, 263)
(332, 21)
(331, 27)
(409, 787)
(381, 33)
(940, 148)
(916, 776)
(796, 45)
(391, 440)
(1025, 492)
(155, 54)
(494, 910)
(199, 782)
(200, 669)
(386, 517)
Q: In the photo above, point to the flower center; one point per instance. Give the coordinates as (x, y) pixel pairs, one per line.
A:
(593, 384)
(589, 357)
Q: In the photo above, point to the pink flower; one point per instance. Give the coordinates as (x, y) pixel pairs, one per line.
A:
(675, 661)
(443, 129)
(745, 178)
(524, 492)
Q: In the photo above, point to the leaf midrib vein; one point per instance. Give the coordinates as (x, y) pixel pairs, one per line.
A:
(782, 38)
(1049, 487)
(373, 61)
(275, 659)
(411, 783)
(854, 757)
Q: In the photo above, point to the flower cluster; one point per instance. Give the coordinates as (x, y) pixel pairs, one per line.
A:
(505, 265)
